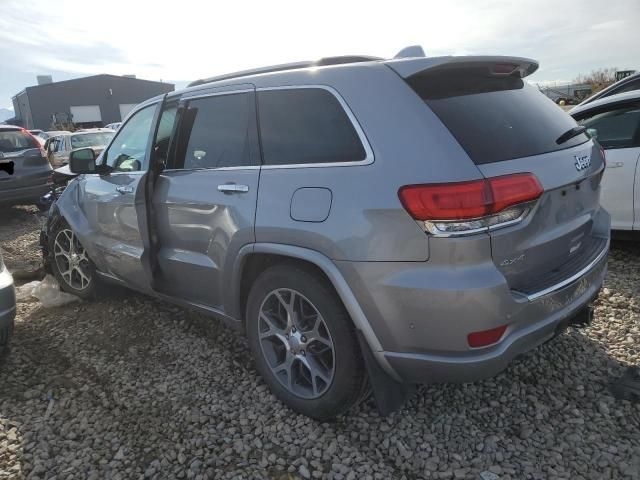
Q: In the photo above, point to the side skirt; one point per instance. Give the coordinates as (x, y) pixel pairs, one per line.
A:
(204, 309)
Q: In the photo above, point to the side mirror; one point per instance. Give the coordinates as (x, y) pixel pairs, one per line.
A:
(592, 133)
(82, 160)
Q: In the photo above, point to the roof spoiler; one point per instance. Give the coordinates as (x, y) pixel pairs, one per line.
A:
(504, 65)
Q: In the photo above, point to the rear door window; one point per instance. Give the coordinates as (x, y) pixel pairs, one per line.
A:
(16, 140)
(494, 118)
(218, 132)
(304, 126)
(616, 128)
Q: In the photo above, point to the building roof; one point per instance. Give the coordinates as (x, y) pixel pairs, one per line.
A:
(90, 78)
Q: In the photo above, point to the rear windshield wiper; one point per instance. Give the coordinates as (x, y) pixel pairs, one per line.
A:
(569, 134)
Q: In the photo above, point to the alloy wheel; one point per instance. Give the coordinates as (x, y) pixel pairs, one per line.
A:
(296, 343)
(71, 260)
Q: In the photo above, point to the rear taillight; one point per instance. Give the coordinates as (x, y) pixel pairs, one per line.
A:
(463, 208)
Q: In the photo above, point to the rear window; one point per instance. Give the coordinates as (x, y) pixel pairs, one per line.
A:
(16, 140)
(306, 125)
(494, 118)
(91, 139)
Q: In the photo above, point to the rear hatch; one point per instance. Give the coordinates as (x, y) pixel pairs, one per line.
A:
(23, 162)
(508, 127)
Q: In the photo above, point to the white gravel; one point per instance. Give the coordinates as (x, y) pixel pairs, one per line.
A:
(130, 387)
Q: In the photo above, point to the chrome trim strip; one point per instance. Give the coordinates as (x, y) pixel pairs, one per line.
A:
(572, 278)
(369, 157)
(187, 97)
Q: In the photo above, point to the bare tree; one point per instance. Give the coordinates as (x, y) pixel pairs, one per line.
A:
(598, 79)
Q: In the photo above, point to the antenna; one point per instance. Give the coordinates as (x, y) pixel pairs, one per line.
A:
(411, 51)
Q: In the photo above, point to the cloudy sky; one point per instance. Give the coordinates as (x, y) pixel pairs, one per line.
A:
(183, 40)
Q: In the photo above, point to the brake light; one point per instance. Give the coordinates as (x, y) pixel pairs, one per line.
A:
(464, 207)
(503, 68)
(486, 337)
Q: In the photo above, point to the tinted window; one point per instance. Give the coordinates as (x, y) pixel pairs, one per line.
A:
(494, 118)
(91, 139)
(217, 132)
(616, 128)
(128, 149)
(306, 125)
(16, 140)
(167, 119)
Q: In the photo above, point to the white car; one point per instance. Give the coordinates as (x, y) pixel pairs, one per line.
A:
(615, 122)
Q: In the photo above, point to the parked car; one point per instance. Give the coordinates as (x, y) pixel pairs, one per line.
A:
(7, 307)
(60, 146)
(38, 135)
(367, 223)
(25, 173)
(615, 122)
(114, 126)
(627, 84)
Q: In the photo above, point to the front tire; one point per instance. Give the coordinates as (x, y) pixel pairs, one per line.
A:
(304, 342)
(70, 263)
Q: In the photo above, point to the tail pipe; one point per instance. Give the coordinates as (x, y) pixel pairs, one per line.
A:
(583, 318)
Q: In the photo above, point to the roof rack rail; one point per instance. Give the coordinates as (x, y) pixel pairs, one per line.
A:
(339, 60)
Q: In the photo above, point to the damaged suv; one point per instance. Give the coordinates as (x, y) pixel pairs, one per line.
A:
(369, 224)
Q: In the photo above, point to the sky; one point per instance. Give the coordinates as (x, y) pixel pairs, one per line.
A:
(181, 41)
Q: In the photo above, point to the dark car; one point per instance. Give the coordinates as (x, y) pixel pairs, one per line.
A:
(25, 173)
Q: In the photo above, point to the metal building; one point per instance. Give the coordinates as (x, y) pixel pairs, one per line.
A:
(92, 101)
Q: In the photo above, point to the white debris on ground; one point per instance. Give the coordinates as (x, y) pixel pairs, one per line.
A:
(128, 387)
(47, 291)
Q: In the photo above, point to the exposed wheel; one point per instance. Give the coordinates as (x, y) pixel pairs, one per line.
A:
(304, 343)
(71, 266)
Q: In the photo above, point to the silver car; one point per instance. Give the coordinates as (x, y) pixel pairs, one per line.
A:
(25, 173)
(59, 146)
(369, 224)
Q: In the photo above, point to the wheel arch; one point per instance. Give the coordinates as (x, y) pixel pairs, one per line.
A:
(255, 258)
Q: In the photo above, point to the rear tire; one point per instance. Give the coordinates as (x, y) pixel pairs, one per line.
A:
(304, 343)
(70, 263)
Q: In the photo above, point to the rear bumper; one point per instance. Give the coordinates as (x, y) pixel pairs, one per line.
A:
(28, 194)
(487, 362)
(422, 312)
(7, 299)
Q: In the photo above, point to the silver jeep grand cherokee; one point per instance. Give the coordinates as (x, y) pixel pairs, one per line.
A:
(369, 224)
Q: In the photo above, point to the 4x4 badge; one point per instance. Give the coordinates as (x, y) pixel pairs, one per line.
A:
(582, 162)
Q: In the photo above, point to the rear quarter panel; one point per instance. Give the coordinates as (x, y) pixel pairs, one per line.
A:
(366, 221)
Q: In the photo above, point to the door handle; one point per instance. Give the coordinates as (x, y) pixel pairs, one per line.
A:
(615, 165)
(124, 189)
(233, 188)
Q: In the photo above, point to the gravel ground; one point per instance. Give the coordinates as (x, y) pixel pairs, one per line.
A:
(130, 387)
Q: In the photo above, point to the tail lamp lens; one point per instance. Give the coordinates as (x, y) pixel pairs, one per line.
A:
(470, 206)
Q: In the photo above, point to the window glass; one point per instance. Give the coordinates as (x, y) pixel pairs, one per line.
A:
(494, 118)
(216, 132)
(165, 129)
(128, 150)
(616, 128)
(16, 140)
(98, 139)
(306, 125)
